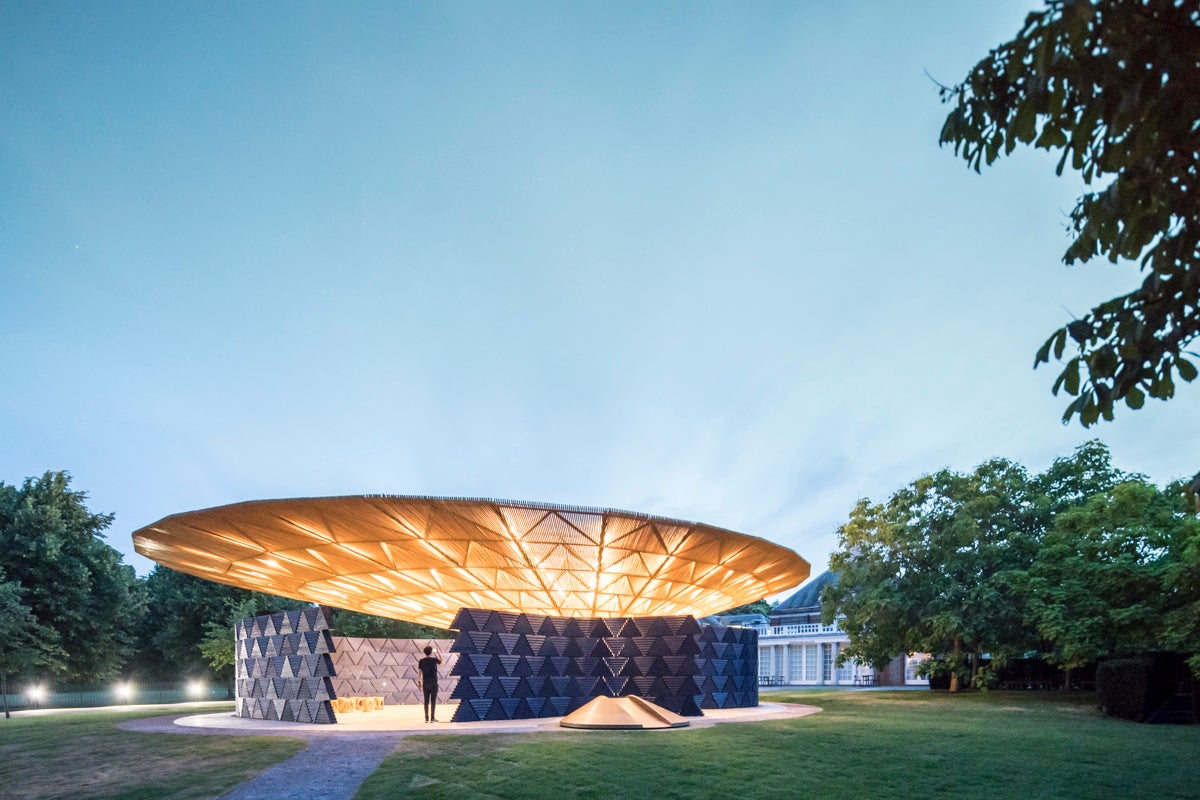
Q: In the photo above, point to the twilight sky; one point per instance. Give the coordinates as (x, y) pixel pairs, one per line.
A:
(702, 260)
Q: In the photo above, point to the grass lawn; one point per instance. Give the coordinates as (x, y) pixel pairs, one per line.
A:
(864, 745)
(86, 755)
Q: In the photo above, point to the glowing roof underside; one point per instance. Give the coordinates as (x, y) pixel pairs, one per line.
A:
(422, 558)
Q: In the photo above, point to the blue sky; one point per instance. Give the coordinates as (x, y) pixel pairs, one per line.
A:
(702, 260)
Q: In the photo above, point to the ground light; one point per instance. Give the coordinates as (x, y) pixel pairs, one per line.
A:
(195, 689)
(124, 691)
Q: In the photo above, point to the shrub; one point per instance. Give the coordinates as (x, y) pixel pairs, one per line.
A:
(938, 671)
(1121, 688)
(1134, 688)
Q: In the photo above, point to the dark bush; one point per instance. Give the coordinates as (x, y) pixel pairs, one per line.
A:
(1029, 673)
(1134, 688)
(940, 683)
(1121, 688)
(938, 673)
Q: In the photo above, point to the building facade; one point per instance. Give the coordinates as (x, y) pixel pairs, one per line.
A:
(796, 649)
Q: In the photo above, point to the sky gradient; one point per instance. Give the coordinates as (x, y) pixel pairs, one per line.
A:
(701, 260)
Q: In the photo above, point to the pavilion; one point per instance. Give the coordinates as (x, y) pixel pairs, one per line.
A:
(553, 604)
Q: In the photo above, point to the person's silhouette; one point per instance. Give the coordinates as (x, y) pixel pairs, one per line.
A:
(427, 679)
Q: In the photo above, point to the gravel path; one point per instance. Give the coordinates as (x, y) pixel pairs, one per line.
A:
(330, 768)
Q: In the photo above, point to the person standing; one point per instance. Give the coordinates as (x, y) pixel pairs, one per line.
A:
(427, 679)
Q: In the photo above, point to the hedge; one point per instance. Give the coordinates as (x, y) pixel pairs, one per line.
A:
(1134, 688)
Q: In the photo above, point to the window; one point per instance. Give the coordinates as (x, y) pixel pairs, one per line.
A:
(810, 662)
(911, 662)
(795, 663)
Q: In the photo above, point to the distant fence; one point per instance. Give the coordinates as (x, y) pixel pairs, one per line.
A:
(112, 694)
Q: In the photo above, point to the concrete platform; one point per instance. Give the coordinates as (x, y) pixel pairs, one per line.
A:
(409, 720)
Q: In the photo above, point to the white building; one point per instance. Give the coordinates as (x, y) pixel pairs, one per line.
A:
(795, 649)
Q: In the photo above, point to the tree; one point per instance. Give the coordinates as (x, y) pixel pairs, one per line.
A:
(355, 623)
(1114, 85)
(183, 611)
(217, 646)
(73, 583)
(931, 570)
(1096, 589)
(1181, 579)
(757, 607)
(24, 643)
(178, 607)
(943, 566)
(1072, 480)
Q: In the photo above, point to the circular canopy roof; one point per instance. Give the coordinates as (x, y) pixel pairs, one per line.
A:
(422, 558)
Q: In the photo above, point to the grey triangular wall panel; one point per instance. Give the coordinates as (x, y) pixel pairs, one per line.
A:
(514, 666)
(518, 666)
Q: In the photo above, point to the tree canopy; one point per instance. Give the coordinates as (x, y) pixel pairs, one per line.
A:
(962, 565)
(188, 616)
(764, 607)
(355, 623)
(930, 570)
(1114, 86)
(25, 644)
(72, 582)
(72, 611)
(1101, 584)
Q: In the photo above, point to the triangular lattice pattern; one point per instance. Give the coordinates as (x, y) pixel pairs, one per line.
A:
(518, 666)
(284, 668)
(387, 668)
(420, 558)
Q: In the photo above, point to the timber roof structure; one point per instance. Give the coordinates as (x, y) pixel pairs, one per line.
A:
(422, 558)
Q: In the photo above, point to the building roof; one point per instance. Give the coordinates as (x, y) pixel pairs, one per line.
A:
(423, 558)
(808, 596)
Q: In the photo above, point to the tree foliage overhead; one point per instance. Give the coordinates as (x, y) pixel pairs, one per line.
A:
(73, 583)
(1114, 85)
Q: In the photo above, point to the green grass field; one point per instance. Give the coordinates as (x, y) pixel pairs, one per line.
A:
(864, 745)
(86, 755)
